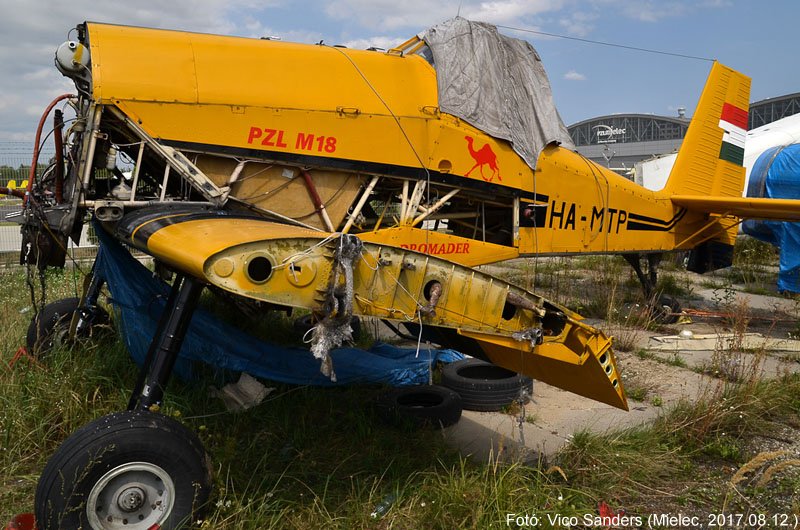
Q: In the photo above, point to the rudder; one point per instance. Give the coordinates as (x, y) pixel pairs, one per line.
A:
(710, 161)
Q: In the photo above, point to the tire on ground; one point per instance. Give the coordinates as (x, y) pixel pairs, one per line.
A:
(484, 386)
(132, 469)
(50, 325)
(420, 406)
(666, 310)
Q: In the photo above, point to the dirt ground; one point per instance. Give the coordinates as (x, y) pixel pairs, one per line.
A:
(726, 332)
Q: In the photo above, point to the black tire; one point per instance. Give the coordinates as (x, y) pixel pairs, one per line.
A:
(125, 458)
(49, 327)
(667, 310)
(484, 386)
(420, 406)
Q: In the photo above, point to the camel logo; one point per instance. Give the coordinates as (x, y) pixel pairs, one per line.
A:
(483, 157)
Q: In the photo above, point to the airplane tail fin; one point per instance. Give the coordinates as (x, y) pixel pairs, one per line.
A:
(710, 164)
(710, 160)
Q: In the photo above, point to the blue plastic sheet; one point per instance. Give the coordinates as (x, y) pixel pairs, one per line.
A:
(139, 298)
(776, 174)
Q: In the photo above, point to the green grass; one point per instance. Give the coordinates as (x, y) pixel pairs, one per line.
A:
(321, 458)
(676, 360)
(306, 458)
(685, 458)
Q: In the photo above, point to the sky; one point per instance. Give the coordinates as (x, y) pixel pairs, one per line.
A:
(588, 80)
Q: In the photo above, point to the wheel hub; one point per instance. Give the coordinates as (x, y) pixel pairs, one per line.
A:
(131, 499)
(133, 496)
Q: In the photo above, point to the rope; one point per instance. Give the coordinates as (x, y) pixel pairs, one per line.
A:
(611, 44)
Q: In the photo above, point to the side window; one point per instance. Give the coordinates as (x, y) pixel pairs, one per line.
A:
(425, 53)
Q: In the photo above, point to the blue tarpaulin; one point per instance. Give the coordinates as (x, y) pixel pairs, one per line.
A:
(776, 174)
(139, 297)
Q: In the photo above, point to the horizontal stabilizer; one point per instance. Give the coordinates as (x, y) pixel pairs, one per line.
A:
(744, 207)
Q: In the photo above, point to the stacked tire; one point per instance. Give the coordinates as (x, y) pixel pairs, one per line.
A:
(420, 406)
(484, 386)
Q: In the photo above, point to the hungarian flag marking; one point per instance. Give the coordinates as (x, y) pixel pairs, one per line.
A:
(734, 122)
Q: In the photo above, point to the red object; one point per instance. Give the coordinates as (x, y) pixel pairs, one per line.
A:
(483, 157)
(317, 200)
(22, 352)
(14, 192)
(605, 510)
(607, 513)
(23, 521)
(734, 115)
(35, 161)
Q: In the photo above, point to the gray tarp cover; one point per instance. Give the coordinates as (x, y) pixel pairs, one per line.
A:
(497, 84)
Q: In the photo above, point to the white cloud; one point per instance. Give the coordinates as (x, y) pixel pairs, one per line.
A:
(578, 24)
(650, 11)
(391, 15)
(376, 42)
(33, 30)
(656, 10)
(416, 15)
(38, 74)
(510, 11)
(572, 75)
(715, 3)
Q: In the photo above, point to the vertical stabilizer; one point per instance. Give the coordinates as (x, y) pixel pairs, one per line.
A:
(710, 161)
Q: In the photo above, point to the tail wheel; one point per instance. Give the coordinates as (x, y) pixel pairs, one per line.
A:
(135, 470)
(666, 310)
(50, 326)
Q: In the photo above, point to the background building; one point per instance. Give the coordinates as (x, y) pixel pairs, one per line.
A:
(620, 141)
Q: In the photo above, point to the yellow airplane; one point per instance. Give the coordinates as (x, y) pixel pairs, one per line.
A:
(348, 182)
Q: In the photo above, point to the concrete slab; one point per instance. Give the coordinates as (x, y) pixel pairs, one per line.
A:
(772, 357)
(554, 415)
(715, 341)
(754, 301)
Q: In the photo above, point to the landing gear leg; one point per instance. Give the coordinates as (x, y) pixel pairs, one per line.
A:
(664, 307)
(163, 352)
(649, 280)
(88, 309)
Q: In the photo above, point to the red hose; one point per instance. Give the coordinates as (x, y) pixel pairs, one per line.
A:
(35, 162)
(12, 192)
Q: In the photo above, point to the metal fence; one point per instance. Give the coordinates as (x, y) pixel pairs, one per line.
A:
(15, 164)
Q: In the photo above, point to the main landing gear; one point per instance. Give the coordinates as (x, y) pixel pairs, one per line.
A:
(136, 469)
(663, 308)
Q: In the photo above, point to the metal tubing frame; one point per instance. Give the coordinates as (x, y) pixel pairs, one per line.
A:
(136, 170)
(428, 211)
(360, 205)
(163, 352)
(414, 202)
(319, 205)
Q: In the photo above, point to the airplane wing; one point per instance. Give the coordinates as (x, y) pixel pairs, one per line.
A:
(744, 207)
(296, 267)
